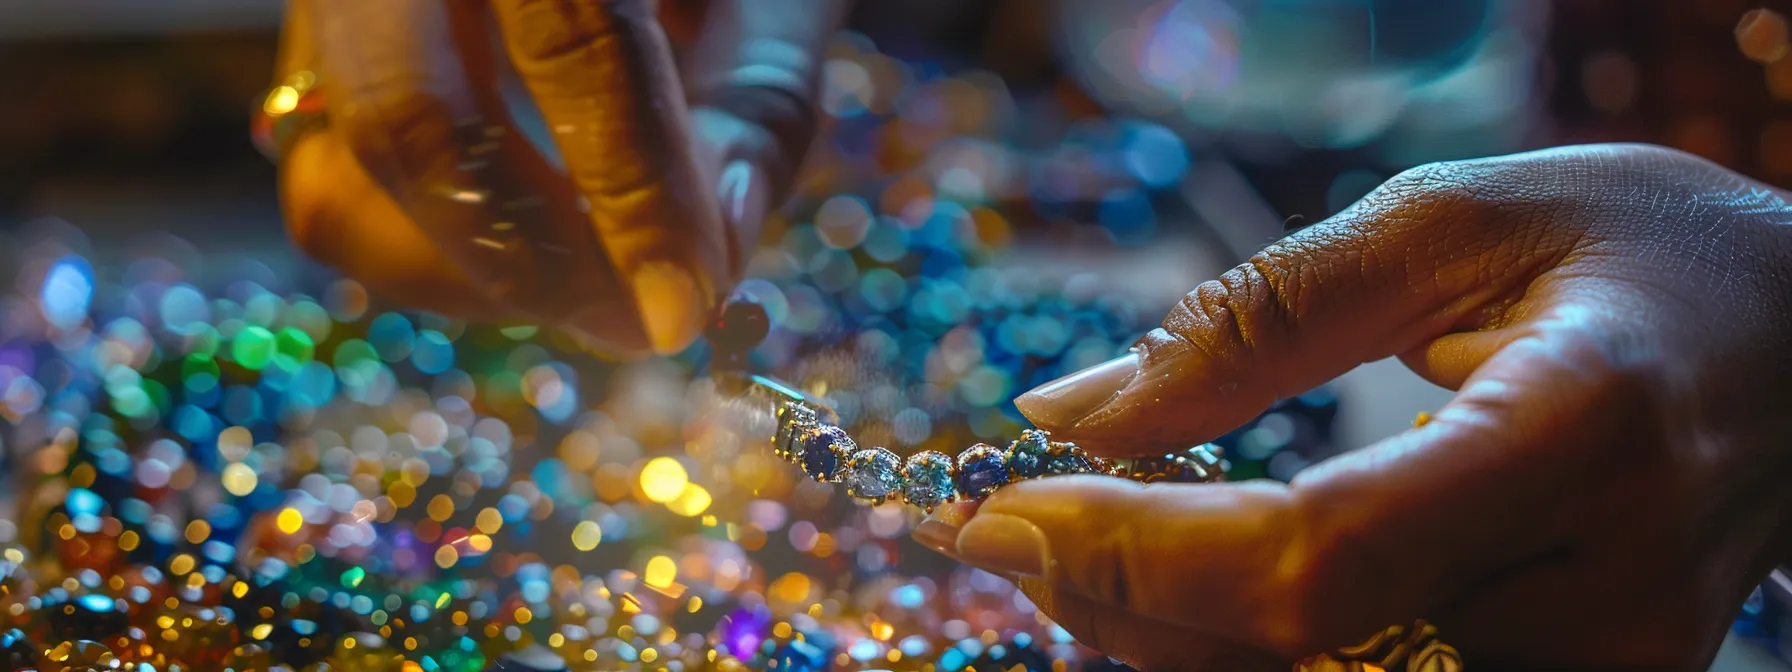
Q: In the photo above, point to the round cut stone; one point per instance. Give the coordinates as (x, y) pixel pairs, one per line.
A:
(928, 477)
(873, 473)
(981, 470)
(823, 450)
(1027, 456)
(1066, 458)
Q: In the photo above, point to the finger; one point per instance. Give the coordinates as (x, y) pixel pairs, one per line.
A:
(1403, 266)
(1376, 537)
(1494, 482)
(602, 74)
(1140, 642)
(756, 76)
(1200, 557)
(338, 215)
(413, 94)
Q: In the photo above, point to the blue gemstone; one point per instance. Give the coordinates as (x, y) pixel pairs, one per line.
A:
(822, 448)
(1027, 456)
(929, 477)
(981, 470)
(873, 474)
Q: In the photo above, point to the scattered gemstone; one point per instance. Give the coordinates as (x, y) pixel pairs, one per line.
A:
(17, 652)
(824, 448)
(981, 470)
(873, 473)
(1027, 455)
(81, 656)
(929, 479)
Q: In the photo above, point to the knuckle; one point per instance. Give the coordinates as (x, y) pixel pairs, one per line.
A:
(1107, 573)
(547, 31)
(1228, 319)
(1224, 315)
(1112, 567)
(1339, 556)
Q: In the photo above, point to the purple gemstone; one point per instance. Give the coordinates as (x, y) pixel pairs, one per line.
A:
(743, 630)
(822, 449)
(981, 470)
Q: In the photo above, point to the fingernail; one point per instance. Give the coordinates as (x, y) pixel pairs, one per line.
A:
(938, 536)
(672, 306)
(1063, 402)
(1005, 544)
(742, 192)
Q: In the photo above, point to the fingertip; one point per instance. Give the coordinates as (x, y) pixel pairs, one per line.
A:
(673, 305)
(1065, 403)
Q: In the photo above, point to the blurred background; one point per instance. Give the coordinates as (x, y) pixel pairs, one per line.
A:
(1181, 132)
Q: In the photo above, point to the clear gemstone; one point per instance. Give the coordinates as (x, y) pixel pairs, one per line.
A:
(929, 479)
(873, 473)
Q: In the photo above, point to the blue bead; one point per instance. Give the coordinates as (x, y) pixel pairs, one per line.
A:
(1027, 456)
(981, 470)
(929, 479)
(822, 448)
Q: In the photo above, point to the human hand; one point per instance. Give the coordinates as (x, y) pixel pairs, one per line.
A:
(1604, 490)
(426, 188)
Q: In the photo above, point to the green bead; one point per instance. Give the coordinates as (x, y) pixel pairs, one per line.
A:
(253, 347)
(293, 348)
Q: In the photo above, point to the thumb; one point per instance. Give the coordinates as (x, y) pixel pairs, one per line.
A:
(1420, 256)
(1376, 537)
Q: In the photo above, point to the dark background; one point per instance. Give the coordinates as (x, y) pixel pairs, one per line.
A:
(123, 115)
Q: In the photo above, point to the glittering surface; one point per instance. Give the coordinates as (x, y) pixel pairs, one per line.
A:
(873, 473)
(212, 464)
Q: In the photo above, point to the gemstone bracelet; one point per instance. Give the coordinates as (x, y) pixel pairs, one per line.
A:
(809, 436)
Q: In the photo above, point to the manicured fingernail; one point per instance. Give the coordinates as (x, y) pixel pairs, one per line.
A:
(1004, 544)
(743, 193)
(672, 306)
(1063, 402)
(938, 536)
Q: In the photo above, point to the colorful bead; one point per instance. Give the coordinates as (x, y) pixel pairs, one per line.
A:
(873, 473)
(1027, 455)
(981, 470)
(824, 448)
(928, 476)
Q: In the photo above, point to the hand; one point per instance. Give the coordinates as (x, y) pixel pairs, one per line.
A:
(1606, 487)
(425, 188)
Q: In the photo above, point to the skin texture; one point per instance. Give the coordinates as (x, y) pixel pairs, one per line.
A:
(424, 188)
(1604, 490)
